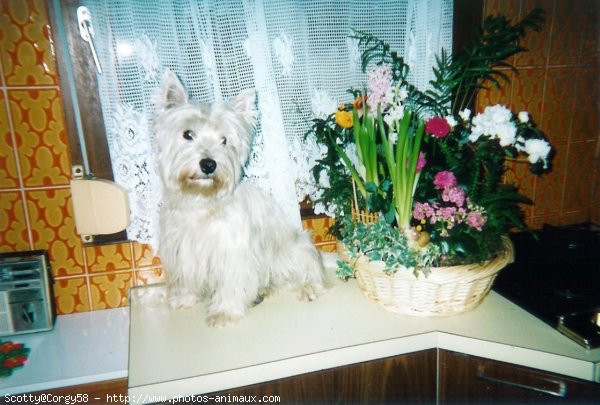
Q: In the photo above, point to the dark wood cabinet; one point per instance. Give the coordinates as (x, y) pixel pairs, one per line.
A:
(405, 379)
(433, 376)
(468, 379)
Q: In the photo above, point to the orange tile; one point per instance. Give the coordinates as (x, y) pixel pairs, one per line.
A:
(53, 228)
(109, 258)
(13, 225)
(41, 137)
(143, 256)
(549, 188)
(565, 45)
(149, 276)
(528, 93)
(111, 290)
(586, 114)
(319, 228)
(559, 104)
(71, 295)
(28, 57)
(492, 95)
(538, 221)
(536, 43)
(590, 49)
(578, 191)
(9, 177)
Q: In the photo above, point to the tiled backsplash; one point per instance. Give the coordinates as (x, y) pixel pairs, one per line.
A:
(557, 83)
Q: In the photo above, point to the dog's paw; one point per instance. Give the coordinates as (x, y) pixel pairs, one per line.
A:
(307, 293)
(182, 301)
(221, 319)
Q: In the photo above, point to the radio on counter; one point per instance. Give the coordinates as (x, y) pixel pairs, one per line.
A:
(26, 298)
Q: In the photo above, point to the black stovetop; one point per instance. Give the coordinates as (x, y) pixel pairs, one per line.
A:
(557, 279)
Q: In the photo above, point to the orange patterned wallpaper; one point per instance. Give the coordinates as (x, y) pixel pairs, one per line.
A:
(558, 84)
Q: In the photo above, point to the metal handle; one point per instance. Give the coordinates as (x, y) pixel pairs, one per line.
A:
(561, 387)
(86, 30)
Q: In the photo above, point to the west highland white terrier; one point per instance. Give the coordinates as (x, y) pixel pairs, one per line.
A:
(220, 237)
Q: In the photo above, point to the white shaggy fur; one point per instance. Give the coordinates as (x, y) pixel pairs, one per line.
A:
(222, 238)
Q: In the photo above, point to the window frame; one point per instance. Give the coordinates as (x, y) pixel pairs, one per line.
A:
(82, 103)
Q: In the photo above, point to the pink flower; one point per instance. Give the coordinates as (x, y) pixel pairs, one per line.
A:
(379, 84)
(437, 127)
(455, 195)
(421, 162)
(446, 213)
(422, 211)
(476, 220)
(444, 179)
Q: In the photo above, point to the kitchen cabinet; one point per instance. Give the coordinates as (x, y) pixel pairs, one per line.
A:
(101, 392)
(409, 378)
(468, 379)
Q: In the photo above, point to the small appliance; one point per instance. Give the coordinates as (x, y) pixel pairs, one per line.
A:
(26, 297)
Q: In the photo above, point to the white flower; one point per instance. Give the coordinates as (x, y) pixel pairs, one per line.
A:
(498, 113)
(402, 93)
(537, 149)
(495, 122)
(506, 133)
(451, 121)
(394, 114)
(322, 105)
(524, 116)
(465, 114)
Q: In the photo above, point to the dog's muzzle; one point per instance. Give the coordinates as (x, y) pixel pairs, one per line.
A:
(208, 166)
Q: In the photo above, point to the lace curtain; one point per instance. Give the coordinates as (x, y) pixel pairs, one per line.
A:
(297, 54)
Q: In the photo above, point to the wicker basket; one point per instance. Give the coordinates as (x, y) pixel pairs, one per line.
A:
(445, 291)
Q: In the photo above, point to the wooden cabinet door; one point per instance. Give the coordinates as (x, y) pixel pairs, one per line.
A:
(405, 379)
(473, 380)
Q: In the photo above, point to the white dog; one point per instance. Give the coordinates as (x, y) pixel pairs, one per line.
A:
(220, 237)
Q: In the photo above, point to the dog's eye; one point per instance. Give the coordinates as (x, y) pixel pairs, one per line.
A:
(224, 141)
(188, 135)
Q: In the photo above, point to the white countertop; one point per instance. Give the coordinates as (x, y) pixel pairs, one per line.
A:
(173, 352)
(82, 348)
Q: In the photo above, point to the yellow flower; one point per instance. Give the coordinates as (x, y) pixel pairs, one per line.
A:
(343, 119)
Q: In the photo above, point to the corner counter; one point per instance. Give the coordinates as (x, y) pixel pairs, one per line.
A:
(173, 353)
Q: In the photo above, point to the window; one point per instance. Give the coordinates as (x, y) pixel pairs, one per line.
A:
(81, 89)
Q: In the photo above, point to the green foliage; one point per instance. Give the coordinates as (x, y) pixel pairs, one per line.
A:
(382, 242)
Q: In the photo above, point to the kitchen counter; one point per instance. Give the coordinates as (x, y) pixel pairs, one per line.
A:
(173, 352)
(82, 348)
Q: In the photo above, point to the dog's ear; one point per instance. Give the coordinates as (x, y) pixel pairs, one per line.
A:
(244, 104)
(172, 92)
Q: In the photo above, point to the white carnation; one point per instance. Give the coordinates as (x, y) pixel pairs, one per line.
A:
(523, 116)
(465, 114)
(537, 149)
(451, 121)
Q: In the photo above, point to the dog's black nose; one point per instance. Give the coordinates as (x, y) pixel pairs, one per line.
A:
(208, 166)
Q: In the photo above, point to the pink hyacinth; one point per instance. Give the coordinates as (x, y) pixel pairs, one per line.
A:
(379, 84)
(444, 179)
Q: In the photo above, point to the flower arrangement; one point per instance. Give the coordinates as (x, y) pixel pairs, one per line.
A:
(423, 162)
(12, 357)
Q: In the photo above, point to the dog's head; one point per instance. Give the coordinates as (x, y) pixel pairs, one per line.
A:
(201, 148)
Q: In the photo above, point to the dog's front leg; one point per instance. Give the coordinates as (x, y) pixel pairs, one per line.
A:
(231, 298)
(180, 297)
